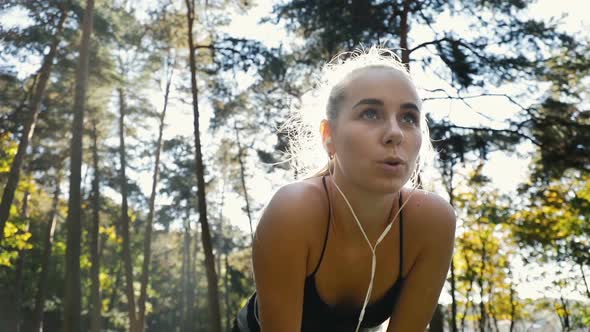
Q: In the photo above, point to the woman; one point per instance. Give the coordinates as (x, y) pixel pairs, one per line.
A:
(357, 243)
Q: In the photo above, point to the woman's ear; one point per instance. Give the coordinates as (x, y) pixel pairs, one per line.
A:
(326, 137)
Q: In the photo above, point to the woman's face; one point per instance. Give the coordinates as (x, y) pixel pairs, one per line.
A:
(376, 134)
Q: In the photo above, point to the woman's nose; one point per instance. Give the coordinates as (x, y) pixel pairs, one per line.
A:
(393, 133)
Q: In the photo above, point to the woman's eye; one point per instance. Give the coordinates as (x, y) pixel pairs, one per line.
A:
(410, 118)
(370, 114)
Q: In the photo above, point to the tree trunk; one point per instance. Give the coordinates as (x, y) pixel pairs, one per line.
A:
(512, 309)
(126, 250)
(212, 289)
(47, 247)
(147, 242)
(117, 271)
(186, 280)
(20, 269)
(584, 279)
(469, 303)
(29, 126)
(218, 268)
(224, 249)
(492, 312)
(194, 291)
(243, 180)
(405, 29)
(453, 298)
(72, 302)
(453, 278)
(495, 320)
(95, 303)
(228, 312)
(182, 290)
(482, 307)
(198, 318)
(437, 321)
(468, 294)
(566, 314)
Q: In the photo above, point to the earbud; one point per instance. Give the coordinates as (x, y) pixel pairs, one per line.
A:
(327, 143)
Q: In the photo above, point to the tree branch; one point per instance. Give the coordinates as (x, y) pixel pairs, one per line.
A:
(498, 131)
(432, 42)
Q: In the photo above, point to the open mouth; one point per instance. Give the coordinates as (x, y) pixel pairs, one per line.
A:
(393, 163)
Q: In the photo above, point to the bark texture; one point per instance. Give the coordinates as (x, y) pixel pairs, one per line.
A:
(72, 302)
(38, 311)
(212, 289)
(126, 250)
(29, 126)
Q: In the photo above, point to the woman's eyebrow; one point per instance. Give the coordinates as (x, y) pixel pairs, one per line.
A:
(369, 101)
(411, 106)
(379, 102)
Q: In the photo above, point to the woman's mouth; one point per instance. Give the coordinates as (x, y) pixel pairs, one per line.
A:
(392, 165)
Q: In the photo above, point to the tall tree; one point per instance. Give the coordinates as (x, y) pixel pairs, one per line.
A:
(178, 183)
(483, 253)
(95, 302)
(33, 110)
(187, 277)
(243, 179)
(20, 267)
(42, 285)
(212, 289)
(132, 67)
(124, 221)
(168, 72)
(72, 305)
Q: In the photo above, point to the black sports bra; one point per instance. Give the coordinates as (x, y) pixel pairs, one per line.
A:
(320, 316)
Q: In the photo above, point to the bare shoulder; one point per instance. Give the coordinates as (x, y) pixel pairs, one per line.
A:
(292, 211)
(432, 215)
(432, 230)
(280, 250)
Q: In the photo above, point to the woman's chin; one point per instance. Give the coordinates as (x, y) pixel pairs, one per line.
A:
(391, 180)
(391, 186)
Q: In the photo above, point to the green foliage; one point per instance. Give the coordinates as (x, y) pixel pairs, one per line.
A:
(563, 132)
(330, 27)
(482, 255)
(546, 222)
(35, 37)
(8, 149)
(554, 223)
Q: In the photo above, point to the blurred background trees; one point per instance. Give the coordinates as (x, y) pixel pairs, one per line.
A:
(149, 213)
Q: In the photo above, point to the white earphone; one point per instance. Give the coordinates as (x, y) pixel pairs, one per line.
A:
(381, 237)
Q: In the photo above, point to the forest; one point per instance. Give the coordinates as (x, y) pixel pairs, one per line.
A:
(141, 140)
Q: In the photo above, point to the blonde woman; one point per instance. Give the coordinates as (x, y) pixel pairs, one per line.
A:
(357, 243)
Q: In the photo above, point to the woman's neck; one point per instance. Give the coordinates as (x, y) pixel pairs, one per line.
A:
(373, 210)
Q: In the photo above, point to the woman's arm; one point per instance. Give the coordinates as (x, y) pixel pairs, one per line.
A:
(280, 257)
(426, 278)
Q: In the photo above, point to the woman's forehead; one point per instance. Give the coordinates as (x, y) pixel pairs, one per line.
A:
(380, 80)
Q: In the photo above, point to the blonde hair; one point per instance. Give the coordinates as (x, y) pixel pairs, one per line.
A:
(306, 153)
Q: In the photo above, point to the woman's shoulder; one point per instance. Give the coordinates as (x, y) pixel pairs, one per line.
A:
(430, 213)
(305, 196)
(295, 208)
(301, 191)
(427, 201)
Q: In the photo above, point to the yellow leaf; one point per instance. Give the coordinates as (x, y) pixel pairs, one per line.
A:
(10, 229)
(85, 262)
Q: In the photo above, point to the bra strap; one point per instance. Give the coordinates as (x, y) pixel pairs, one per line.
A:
(401, 237)
(327, 227)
